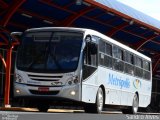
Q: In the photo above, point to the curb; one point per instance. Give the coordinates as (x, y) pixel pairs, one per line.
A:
(35, 110)
(17, 109)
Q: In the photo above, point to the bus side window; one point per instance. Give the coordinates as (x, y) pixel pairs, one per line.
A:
(146, 70)
(118, 63)
(138, 67)
(129, 59)
(91, 51)
(90, 59)
(91, 54)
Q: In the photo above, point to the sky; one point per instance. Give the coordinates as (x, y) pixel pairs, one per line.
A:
(149, 7)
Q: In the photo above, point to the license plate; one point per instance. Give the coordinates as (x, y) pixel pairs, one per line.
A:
(43, 89)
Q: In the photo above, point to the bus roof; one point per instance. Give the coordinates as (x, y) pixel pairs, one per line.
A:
(91, 32)
(56, 28)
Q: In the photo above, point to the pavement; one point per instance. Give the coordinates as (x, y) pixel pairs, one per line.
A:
(14, 115)
(19, 113)
(22, 109)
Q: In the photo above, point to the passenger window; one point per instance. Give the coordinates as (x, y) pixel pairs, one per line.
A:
(102, 46)
(91, 54)
(108, 49)
(129, 67)
(90, 58)
(117, 53)
(138, 62)
(105, 58)
(138, 68)
(118, 64)
(146, 65)
(129, 58)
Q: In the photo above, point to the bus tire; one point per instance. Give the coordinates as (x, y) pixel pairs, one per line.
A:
(99, 100)
(135, 104)
(98, 106)
(134, 108)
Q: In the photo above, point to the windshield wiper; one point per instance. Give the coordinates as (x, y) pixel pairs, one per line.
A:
(52, 55)
(56, 62)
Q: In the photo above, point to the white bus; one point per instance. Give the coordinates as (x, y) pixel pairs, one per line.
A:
(76, 65)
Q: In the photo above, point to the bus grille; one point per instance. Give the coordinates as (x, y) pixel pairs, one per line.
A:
(44, 77)
(35, 92)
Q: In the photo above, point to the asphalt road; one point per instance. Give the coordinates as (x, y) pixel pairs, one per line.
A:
(35, 115)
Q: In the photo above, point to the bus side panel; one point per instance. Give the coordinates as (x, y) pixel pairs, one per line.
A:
(137, 85)
(145, 93)
(89, 88)
(128, 92)
(126, 98)
(112, 93)
(121, 88)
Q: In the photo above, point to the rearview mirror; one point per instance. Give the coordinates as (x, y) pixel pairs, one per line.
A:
(17, 35)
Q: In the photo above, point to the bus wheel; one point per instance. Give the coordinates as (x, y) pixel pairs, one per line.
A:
(99, 101)
(134, 108)
(98, 106)
(43, 108)
(135, 104)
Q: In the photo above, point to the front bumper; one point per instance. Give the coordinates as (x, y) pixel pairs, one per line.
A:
(66, 92)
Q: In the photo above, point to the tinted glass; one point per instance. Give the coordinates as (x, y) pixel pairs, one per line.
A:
(49, 51)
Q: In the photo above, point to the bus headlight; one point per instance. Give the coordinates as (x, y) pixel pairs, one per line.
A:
(72, 80)
(73, 93)
(17, 91)
(18, 78)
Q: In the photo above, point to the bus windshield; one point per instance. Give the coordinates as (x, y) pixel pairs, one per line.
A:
(49, 51)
